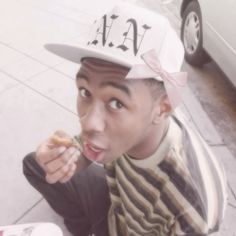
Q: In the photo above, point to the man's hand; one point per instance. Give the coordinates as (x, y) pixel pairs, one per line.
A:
(58, 162)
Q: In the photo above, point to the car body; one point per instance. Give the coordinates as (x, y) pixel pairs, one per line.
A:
(218, 29)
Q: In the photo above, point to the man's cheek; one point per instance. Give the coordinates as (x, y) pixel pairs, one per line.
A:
(81, 111)
(125, 144)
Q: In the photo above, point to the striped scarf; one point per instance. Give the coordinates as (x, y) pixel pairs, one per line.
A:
(179, 190)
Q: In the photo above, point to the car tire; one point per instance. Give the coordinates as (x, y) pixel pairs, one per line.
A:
(191, 35)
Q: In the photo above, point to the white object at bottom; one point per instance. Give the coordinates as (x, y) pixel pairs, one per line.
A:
(33, 229)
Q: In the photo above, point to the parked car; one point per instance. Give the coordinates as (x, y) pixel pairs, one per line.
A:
(208, 30)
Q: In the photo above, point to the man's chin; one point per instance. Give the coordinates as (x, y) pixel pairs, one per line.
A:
(106, 160)
(103, 161)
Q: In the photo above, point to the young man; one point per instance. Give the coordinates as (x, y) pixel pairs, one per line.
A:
(157, 177)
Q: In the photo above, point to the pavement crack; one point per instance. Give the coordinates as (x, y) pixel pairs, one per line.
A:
(233, 196)
(232, 205)
(27, 211)
(38, 92)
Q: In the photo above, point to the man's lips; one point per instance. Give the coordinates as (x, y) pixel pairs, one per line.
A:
(92, 151)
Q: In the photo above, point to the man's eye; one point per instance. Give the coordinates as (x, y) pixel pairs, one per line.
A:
(115, 104)
(84, 92)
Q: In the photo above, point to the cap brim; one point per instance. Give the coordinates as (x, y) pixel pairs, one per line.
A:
(76, 53)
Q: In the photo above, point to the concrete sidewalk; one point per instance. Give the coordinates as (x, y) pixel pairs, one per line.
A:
(37, 97)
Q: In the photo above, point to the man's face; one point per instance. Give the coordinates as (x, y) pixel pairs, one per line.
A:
(115, 114)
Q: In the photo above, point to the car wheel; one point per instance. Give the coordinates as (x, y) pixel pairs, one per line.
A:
(191, 35)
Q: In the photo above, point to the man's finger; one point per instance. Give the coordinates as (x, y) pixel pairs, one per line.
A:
(63, 171)
(59, 174)
(45, 156)
(68, 176)
(68, 157)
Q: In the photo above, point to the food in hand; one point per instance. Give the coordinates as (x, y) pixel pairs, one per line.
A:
(64, 141)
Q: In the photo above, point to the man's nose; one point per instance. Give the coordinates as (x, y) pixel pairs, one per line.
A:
(94, 119)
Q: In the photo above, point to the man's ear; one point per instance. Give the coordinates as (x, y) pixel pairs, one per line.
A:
(163, 109)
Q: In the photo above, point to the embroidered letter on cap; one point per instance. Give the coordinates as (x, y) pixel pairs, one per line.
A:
(134, 25)
(104, 30)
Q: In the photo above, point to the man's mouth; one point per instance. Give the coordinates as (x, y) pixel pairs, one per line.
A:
(92, 152)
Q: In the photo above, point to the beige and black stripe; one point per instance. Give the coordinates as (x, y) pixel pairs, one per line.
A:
(170, 198)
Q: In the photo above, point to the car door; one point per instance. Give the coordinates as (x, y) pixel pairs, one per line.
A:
(219, 32)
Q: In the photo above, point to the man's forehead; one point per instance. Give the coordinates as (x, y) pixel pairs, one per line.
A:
(96, 62)
(94, 66)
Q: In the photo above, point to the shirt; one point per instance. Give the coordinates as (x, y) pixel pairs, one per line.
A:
(179, 190)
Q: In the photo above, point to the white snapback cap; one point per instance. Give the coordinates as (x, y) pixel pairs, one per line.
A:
(137, 38)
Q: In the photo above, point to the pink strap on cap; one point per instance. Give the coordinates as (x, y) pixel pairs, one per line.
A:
(174, 82)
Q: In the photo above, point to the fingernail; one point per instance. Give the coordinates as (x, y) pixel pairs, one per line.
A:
(61, 149)
(72, 150)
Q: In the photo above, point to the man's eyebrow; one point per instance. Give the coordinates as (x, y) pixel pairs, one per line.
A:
(123, 88)
(119, 86)
(81, 75)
